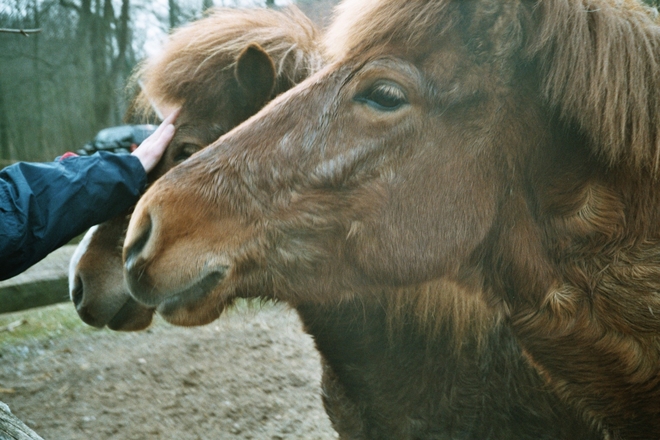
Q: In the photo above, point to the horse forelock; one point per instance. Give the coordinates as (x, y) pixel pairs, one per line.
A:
(361, 24)
(188, 67)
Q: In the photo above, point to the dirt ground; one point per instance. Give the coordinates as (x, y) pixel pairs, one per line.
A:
(252, 374)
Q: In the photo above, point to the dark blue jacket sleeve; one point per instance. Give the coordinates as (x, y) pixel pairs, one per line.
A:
(44, 205)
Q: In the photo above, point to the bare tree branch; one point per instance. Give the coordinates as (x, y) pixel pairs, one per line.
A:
(12, 428)
(24, 32)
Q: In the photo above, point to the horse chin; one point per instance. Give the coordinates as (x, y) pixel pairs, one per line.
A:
(132, 316)
(192, 313)
(100, 310)
(196, 305)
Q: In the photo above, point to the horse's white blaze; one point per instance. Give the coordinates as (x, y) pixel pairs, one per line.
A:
(77, 255)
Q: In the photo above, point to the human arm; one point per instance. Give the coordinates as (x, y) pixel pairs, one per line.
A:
(45, 205)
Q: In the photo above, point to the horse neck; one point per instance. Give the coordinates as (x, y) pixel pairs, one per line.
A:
(377, 349)
(607, 249)
(583, 298)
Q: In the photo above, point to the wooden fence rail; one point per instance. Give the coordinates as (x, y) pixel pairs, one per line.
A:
(43, 284)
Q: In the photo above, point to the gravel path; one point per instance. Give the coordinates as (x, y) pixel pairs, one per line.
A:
(252, 374)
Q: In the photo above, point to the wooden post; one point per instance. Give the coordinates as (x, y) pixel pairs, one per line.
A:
(13, 429)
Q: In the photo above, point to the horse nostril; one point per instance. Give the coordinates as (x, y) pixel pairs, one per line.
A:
(77, 291)
(135, 249)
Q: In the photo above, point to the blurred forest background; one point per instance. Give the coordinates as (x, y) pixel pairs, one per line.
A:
(60, 86)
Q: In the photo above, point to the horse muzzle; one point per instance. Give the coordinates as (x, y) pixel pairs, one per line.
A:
(172, 287)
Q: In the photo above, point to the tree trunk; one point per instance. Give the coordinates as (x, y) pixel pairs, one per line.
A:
(13, 429)
(38, 96)
(5, 154)
(100, 49)
(84, 20)
(174, 13)
(122, 37)
(120, 70)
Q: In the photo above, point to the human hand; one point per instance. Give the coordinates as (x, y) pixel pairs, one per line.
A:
(152, 148)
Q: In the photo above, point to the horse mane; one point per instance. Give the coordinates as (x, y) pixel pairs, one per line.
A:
(597, 60)
(194, 55)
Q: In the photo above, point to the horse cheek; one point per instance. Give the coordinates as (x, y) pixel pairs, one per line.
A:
(406, 243)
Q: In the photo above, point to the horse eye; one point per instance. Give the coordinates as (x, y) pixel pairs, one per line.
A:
(185, 151)
(384, 97)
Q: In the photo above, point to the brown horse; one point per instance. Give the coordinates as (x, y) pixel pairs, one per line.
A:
(220, 70)
(507, 147)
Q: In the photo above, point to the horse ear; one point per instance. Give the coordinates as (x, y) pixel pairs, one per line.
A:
(255, 73)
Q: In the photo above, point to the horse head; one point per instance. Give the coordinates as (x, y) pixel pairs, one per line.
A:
(220, 70)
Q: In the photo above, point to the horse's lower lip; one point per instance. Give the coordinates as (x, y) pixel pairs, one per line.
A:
(192, 294)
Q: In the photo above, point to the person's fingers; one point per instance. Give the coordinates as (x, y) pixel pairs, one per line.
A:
(165, 137)
(151, 150)
(168, 120)
(156, 135)
(172, 116)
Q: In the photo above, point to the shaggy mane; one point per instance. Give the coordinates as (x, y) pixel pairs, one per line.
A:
(598, 59)
(194, 54)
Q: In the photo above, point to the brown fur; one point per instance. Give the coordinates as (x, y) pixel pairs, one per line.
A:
(518, 162)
